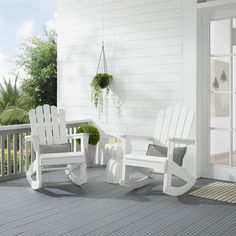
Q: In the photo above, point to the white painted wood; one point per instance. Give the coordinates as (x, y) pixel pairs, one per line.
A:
(114, 166)
(71, 160)
(190, 73)
(26, 154)
(215, 3)
(26, 150)
(2, 155)
(159, 124)
(48, 123)
(166, 166)
(174, 121)
(15, 168)
(9, 163)
(188, 124)
(166, 125)
(33, 123)
(41, 124)
(208, 169)
(181, 122)
(62, 124)
(143, 42)
(21, 151)
(55, 125)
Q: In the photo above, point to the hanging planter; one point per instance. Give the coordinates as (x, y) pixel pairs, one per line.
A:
(100, 81)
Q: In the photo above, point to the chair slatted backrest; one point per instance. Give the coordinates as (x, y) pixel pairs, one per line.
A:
(174, 122)
(49, 124)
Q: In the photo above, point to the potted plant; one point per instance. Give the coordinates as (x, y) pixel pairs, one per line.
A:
(100, 81)
(94, 137)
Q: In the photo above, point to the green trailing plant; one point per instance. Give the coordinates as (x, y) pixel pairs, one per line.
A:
(94, 135)
(100, 81)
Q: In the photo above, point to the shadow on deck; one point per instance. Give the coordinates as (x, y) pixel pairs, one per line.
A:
(97, 208)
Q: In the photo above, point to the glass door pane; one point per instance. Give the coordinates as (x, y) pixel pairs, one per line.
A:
(220, 147)
(220, 115)
(220, 74)
(234, 149)
(221, 92)
(234, 93)
(219, 86)
(234, 35)
(220, 37)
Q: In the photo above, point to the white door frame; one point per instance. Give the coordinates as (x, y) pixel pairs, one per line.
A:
(203, 119)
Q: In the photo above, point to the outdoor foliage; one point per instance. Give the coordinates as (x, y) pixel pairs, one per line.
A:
(93, 132)
(13, 105)
(39, 60)
(11, 164)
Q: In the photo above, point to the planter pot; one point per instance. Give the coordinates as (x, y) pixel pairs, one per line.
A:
(103, 82)
(91, 155)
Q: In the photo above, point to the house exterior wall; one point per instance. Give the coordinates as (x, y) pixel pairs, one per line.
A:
(145, 54)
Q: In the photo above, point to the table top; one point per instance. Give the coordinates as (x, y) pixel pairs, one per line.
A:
(114, 145)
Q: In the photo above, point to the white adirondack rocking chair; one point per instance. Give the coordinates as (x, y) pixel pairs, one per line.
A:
(48, 128)
(172, 129)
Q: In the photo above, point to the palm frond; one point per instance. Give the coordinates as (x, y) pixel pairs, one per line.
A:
(14, 115)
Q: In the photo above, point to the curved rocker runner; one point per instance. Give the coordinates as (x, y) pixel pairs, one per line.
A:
(52, 148)
(172, 130)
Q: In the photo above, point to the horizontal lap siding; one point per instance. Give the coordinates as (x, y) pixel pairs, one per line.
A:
(143, 41)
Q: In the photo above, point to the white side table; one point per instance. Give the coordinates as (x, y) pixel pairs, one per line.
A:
(114, 166)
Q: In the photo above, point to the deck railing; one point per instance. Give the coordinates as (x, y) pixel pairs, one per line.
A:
(16, 155)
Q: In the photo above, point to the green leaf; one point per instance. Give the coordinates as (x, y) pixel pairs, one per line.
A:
(39, 60)
(93, 132)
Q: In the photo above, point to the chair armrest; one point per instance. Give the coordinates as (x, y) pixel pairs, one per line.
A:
(127, 140)
(35, 140)
(76, 136)
(84, 138)
(182, 141)
(137, 137)
(171, 146)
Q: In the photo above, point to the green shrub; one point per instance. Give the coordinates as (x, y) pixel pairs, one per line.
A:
(93, 132)
(11, 161)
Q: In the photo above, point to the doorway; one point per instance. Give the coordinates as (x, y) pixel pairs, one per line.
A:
(217, 91)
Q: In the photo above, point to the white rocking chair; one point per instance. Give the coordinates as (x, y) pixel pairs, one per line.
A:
(172, 129)
(48, 129)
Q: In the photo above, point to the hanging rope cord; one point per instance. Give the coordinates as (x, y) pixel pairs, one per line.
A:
(102, 53)
(102, 57)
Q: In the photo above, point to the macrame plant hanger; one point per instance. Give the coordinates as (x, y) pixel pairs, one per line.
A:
(102, 57)
(102, 54)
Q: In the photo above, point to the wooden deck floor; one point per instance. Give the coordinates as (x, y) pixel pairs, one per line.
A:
(98, 208)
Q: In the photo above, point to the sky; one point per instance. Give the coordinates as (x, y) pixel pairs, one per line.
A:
(20, 19)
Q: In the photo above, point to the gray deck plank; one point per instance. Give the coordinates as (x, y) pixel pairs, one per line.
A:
(97, 208)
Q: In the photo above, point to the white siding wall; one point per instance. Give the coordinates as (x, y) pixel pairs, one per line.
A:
(144, 49)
